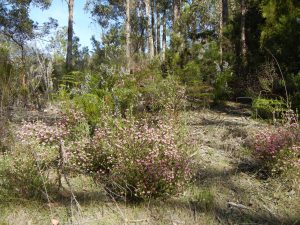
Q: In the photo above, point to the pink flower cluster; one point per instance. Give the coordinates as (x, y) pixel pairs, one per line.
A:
(269, 141)
(139, 159)
(41, 132)
(145, 158)
(278, 148)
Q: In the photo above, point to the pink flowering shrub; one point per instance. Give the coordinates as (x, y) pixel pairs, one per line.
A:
(42, 133)
(35, 153)
(137, 159)
(70, 125)
(277, 148)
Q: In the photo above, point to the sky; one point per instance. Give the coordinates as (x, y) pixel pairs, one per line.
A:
(84, 27)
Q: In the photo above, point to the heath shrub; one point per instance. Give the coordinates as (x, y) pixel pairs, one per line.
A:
(138, 160)
(277, 148)
(23, 172)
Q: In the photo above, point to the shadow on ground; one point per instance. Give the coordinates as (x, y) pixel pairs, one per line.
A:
(245, 212)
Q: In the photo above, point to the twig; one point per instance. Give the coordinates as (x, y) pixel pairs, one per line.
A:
(62, 167)
(277, 63)
(44, 183)
(238, 205)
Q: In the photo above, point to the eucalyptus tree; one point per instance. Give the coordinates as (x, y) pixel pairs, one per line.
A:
(223, 23)
(149, 30)
(243, 33)
(17, 28)
(15, 22)
(128, 33)
(70, 35)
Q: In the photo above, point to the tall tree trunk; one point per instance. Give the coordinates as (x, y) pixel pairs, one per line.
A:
(223, 23)
(164, 37)
(158, 23)
(128, 38)
(70, 35)
(153, 25)
(149, 30)
(243, 33)
(176, 10)
(194, 28)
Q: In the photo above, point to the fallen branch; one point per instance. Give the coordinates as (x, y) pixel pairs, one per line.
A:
(240, 206)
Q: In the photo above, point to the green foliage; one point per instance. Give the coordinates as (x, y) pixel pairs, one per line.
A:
(91, 106)
(6, 136)
(124, 98)
(72, 80)
(268, 108)
(293, 83)
(163, 95)
(202, 200)
(23, 173)
(15, 21)
(8, 77)
(280, 34)
(222, 90)
(191, 73)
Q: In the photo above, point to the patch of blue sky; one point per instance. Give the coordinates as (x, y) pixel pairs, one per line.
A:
(84, 27)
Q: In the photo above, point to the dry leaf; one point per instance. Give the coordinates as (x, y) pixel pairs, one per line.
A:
(54, 222)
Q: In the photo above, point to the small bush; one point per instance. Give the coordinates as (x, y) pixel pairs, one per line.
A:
(90, 105)
(6, 136)
(23, 172)
(137, 160)
(202, 200)
(222, 90)
(163, 95)
(124, 98)
(31, 164)
(277, 149)
(267, 108)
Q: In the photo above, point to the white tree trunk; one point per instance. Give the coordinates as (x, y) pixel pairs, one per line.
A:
(70, 35)
(223, 23)
(128, 38)
(164, 37)
(243, 33)
(149, 30)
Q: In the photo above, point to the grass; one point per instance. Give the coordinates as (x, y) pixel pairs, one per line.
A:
(225, 174)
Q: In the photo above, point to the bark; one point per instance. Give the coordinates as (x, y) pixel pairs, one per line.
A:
(128, 38)
(243, 33)
(153, 26)
(164, 37)
(176, 10)
(223, 23)
(194, 28)
(149, 31)
(158, 23)
(70, 35)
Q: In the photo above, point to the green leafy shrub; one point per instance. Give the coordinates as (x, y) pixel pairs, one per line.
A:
(267, 108)
(202, 200)
(200, 94)
(222, 90)
(137, 160)
(124, 98)
(6, 136)
(191, 73)
(23, 172)
(91, 106)
(163, 95)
